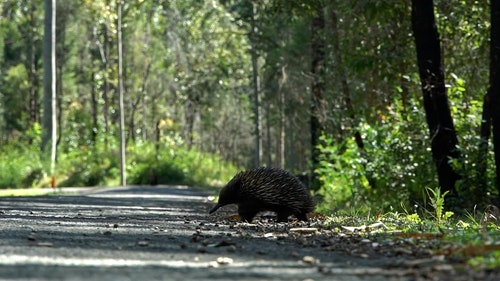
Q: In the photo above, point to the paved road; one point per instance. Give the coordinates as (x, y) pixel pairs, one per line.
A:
(161, 233)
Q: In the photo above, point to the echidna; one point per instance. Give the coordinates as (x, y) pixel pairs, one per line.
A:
(267, 189)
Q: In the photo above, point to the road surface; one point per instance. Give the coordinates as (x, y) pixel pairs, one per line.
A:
(165, 233)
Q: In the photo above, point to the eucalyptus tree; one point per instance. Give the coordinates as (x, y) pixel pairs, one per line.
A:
(444, 142)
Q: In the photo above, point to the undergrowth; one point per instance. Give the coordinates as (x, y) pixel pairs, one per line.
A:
(472, 238)
(169, 162)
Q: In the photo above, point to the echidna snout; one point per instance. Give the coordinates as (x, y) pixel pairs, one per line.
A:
(215, 208)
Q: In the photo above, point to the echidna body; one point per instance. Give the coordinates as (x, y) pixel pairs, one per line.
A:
(267, 189)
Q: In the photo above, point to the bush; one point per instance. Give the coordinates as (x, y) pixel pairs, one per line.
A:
(395, 165)
(176, 164)
(19, 166)
(97, 165)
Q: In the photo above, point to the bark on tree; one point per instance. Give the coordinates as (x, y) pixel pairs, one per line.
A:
(494, 90)
(121, 89)
(442, 131)
(49, 83)
(317, 88)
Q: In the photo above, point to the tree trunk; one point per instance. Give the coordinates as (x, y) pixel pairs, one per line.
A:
(442, 132)
(123, 175)
(94, 104)
(317, 88)
(268, 136)
(190, 112)
(494, 90)
(282, 118)
(106, 90)
(131, 122)
(482, 161)
(49, 82)
(256, 89)
(143, 101)
(33, 106)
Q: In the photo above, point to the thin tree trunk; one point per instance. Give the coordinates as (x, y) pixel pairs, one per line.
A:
(131, 123)
(49, 82)
(256, 89)
(190, 112)
(442, 131)
(144, 108)
(59, 85)
(106, 90)
(269, 159)
(33, 107)
(94, 104)
(482, 161)
(282, 118)
(317, 89)
(494, 90)
(123, 175)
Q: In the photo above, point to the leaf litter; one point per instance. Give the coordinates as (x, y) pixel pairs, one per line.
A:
(384, 238)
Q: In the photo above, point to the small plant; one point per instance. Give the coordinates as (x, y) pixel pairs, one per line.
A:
(437, 202)
(414, 218)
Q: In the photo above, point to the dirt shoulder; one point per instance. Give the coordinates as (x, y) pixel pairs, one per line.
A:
(165, 233)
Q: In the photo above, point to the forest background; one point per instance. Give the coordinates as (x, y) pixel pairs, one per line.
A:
(326, 88)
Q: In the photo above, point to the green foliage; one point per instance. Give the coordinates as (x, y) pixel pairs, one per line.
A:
(465, 239)
(169, 164)
(489, 261)
(393, 167)
(436, 199)
(15, 81)
(18, 171)
(20, 165)
(396, 164)
(82, 162)
(87, 166)
(189, 62)
(414, 218)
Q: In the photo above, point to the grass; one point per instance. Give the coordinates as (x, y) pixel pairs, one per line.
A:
(473, 239)
(147, 164)
(25, 192)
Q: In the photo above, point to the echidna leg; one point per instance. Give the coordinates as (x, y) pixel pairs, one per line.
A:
(246, 214)
(302, 216)
(283, 216)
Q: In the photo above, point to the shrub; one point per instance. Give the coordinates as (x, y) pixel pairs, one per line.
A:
(395, 165)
